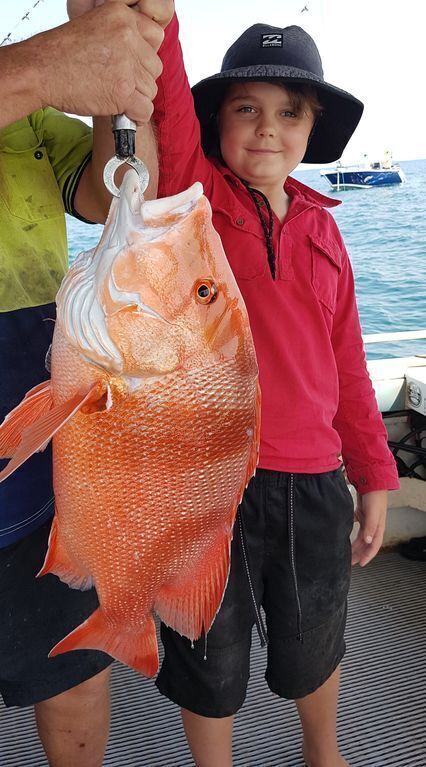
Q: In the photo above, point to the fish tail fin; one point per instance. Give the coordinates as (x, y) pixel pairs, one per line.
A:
(138, 650)
(35, 430)
(35, 404)
(60, 563)
(189, 605)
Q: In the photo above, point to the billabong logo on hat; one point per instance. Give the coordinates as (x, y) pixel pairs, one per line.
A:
(272, 41)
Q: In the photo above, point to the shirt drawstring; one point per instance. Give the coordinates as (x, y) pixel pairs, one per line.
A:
(267, 229)
(292, 553)
(261, 630)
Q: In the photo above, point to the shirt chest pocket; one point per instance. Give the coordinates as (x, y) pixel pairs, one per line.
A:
(28, 188)
(244, 246)
(326, 267)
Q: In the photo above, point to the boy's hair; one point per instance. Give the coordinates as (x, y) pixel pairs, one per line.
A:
(301, 95)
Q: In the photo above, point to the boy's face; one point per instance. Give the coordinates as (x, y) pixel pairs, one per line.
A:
(262, 140)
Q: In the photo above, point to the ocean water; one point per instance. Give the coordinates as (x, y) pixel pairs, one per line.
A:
(385, 233)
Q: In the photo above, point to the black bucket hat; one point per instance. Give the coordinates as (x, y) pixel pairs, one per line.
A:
(288, 55)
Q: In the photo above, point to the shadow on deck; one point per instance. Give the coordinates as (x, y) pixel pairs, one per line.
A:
(382, 719)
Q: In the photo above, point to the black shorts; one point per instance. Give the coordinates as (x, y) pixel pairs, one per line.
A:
(292, 535)
(35, 614)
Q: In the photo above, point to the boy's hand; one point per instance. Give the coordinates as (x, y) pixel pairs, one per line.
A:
(160, 11)
(371, 515)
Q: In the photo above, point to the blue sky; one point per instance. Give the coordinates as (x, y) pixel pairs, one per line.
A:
(372, 48)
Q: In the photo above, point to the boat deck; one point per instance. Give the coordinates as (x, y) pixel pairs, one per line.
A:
(382, 719)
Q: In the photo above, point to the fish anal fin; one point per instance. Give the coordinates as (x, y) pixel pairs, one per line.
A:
(189, 604)
(38, 434)
(35, 404)
(58, 562)
(136, 649)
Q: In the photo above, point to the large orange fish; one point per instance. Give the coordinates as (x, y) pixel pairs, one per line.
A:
(153, 406)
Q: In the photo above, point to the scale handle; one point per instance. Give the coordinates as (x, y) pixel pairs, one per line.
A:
(124, 135)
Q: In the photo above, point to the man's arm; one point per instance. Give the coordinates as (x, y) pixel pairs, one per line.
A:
(18, 92)
(92, 200)
(101, 64)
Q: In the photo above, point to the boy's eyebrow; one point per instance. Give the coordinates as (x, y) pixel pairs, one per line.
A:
(286, 102)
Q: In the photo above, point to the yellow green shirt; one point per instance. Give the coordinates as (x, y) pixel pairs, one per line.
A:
(42, 158)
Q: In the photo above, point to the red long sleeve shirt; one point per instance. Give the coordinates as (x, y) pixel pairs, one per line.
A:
(317, 398)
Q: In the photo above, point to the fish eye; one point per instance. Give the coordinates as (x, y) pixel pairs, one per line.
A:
(205, 291)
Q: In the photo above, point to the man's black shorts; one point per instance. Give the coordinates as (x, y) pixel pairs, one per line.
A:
(292, 531)
(35, 613)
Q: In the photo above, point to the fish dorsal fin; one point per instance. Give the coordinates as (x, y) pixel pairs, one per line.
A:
(36, 403)
(36, 436)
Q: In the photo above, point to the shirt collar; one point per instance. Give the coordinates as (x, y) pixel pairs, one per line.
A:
(306, 196)
(296, 188)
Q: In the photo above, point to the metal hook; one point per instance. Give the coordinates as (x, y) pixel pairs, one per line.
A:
(124, 136)
(133, 162)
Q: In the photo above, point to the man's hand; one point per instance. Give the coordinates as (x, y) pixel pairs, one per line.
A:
(371, 515)
(101, 63)
(78, 7)
(160, 11)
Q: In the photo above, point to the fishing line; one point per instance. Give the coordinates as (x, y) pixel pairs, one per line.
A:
(25, 17)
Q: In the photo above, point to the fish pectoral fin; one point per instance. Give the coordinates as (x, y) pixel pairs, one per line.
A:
(37, 433)
(138, 650)
(189, 604)
(35, 404)
(58, 562)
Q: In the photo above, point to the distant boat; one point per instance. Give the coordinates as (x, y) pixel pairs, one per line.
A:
(365, 175)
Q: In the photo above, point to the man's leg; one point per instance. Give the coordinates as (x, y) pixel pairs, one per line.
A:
(74, 726)
(318, 713)
(210, 740)
(70, 691)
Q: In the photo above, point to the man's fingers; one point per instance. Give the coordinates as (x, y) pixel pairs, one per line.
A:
(139, 109)
(152, 32)
(109, 62)
(160, 10)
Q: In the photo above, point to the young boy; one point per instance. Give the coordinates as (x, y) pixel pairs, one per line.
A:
(266, 111)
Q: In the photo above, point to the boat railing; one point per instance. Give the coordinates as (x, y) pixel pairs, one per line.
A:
(403, 335)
